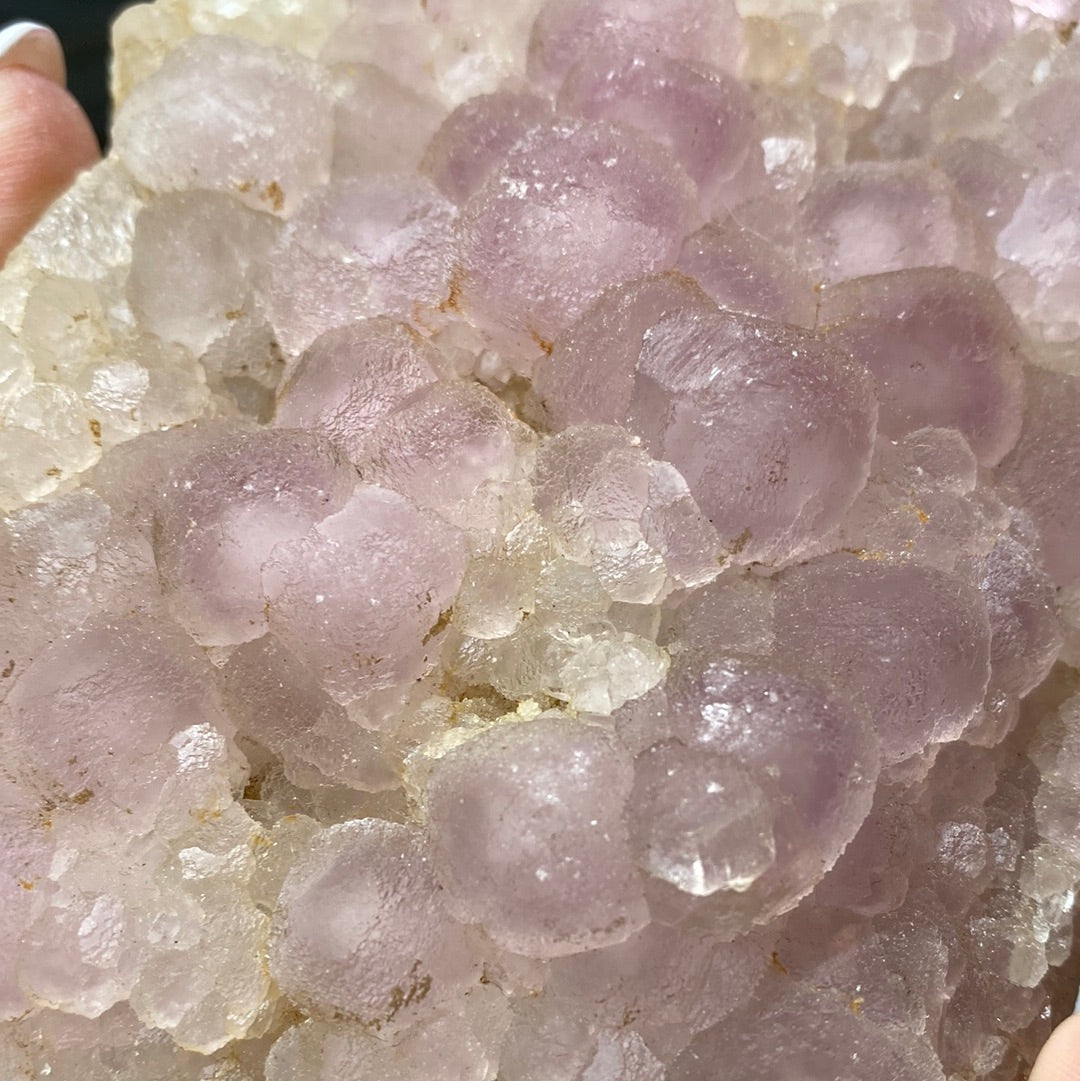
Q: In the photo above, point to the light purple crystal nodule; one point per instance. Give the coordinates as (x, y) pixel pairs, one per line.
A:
(541, 542)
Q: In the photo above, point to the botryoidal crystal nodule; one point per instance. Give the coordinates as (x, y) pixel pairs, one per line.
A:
(542, 542)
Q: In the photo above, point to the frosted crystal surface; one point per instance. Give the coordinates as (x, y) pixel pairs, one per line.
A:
(222, 509)
(706, 120)
(475, 138)
(776, 403)
(699, 821)
(613, 202)
(194, 257)
(539, 541)
(359, 595)
(529, 836)
(360, 247)
(908, 642)
(743, 271)
(350, 378)
(360, 929)
(211, 116)
(565, 31)
(867, 218)
(971, 337)
(791, 736)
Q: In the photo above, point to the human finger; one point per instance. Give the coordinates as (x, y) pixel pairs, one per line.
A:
(45, 137)
(1059, 1060)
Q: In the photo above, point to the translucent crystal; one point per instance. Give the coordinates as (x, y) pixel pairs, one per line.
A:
(699, 822)
(704, 118)
(539, 541)
(192, 261)
(868, 218)
(149, 682)
(222, 511)
(349, 378)
(528, 816)
(632, 519)
(359, 929)
(789, 736)
(567, 30)
(909, 643)
(358, 248)
(477, 135)
(174, 132)
(359, 596)
(743, 271)
(587, 196)
(935, 325)
(1042, 461)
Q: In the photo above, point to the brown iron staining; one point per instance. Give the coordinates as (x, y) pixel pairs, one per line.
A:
(545, 346)
(439, 625)
(453, 302)
(740, 542)
(271, 194)
(419, 987)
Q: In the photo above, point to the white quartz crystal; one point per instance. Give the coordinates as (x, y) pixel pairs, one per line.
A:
(539, 541)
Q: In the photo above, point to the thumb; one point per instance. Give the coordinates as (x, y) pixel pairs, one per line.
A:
(45, 138)
(1059, 1060)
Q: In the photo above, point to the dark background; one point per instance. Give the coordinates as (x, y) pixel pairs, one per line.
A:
(83, 27)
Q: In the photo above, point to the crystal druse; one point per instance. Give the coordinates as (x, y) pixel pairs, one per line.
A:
(541, 541)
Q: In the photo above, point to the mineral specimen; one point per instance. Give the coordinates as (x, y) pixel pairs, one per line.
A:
(542, 542)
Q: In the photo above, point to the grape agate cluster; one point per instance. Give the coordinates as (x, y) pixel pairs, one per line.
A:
(541, 542)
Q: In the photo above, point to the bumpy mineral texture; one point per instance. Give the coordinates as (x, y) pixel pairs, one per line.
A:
(541, 541)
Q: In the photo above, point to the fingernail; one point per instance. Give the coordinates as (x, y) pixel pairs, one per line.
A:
(31, 45)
